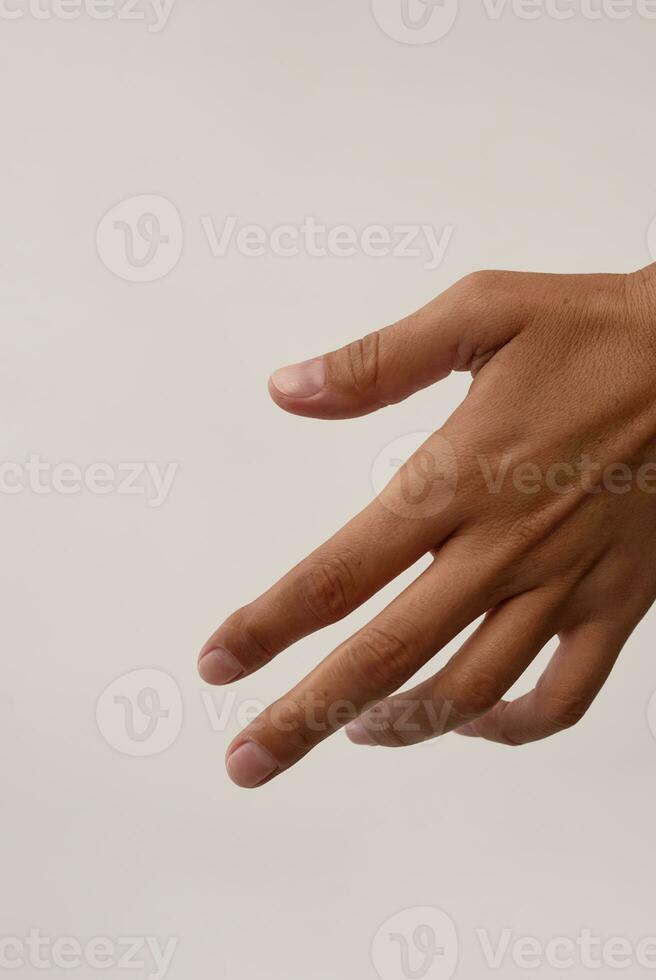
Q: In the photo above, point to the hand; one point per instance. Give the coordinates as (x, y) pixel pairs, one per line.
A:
(537, 500)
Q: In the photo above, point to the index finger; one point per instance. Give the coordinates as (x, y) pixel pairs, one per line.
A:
(366, 668)
(407, 520)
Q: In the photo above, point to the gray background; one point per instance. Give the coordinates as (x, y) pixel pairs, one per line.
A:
(535, 140)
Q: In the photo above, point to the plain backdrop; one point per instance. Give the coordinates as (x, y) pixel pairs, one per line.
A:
(534, 140)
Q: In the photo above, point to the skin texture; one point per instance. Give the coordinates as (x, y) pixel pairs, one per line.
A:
(536, 499)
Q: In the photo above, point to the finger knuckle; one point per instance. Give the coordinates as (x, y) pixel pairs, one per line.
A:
(245, 626)
(491, 296)
(289, 718)
(473, 695)
(564, 711)
(329, 589)
(378, 659)
(478, 284)
(387, 723)
(362, 364)
(395, 736)
(400, 721)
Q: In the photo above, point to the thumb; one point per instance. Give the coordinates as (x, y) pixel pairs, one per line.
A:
(459, 331)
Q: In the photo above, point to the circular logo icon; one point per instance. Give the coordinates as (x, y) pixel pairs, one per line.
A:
(140, 713)
(416, 475)
(140, 239)
(416, 944)
(415, 21)
(651, 239)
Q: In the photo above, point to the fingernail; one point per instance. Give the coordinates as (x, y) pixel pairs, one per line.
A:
(301, 380)
(358, 733)
(218, 666)
(249, 764)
